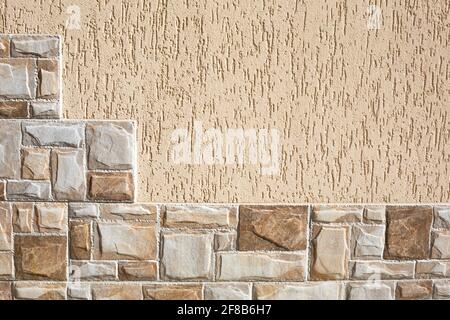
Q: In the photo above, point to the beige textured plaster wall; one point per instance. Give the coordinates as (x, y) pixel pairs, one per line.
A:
(364, 114)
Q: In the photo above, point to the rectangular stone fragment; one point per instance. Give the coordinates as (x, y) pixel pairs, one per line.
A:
(442, 217)
(17, 78)
(35, 45)
(225, 241)
(441, 290)
(35, 164)
(330, 253)
(84, 210)
(48, 79)
(227, 291)
(6, 266)
(79, 291)
(80, 240)
(93, 270)
(441, 245)
(199, 216)
(273, 266)
(10, 142)
(382, 270)
(128, 211)
(125, 240)
(303, 291)
(367, 242)
(23, 217)
(40, 257)
(117, 292)
(68, 175)
(138, 270)
(51, 217)
(186, 256)
(4, 46)
(5, 291)
(53, 134)
(111, 145)
(375, 214)
(45, 110)
(2, 190)
(371, 291)
(113, 186)
(28, 190)
(414, 290)
(408, 232)
(432, 269)
(39, 291)
(273, 227)
(13, 109)
(173, 292)
(337, 214)
(5, 227)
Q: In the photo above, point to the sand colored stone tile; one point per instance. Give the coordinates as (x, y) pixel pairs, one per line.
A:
(4, 46)
(13, 109)
(34, 45)
(337, 214)
(268, 266)
(173, 292)
(6, 266)
(273, 227)
(227, 291)
(441, 245)
(408, 232)
(125, 240)
(79, 291)
(303, 291)
(367, 242)
(68, 175)
(371, 291)
(187, 256)
(40, 257)
(128, 211)
(48, 79)
(93, 270)
(39, 291)
(5, 227)
(26, 190)
(432, 269)
(23, 217)
(17, 78)
(441, 290)
(375, 214)
(414, 290)
(84, 210)
(35, 164)
(53, 134)
(10, 141)
(199, 216)
(5, 291)
(330, 253)
(80, 240)
(111, 145)
(114, 186)
(442, 217)
(2, 190)
(382, 270)
(116, 292)
(138, 270)
(51, 217)
(45, 110)
(225, 241)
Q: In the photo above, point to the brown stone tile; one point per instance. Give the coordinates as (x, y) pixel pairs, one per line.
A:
(5, 227)
(40, 257)
(13, 109)
(408, 232)
(414, 290)
(4, 47)
(2, 190)
(273, 227)
(23, 213)
(48, 79)
(116, 292)
(173, 292)
(80, 240)
(5, 291)
(138, 270)
(36, 164)
(6, 266)
(114, 186)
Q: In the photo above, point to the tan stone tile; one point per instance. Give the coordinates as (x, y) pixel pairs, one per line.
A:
(114, 186)
(36, 164)
(39, 291)
(23, 217)
(173, 292)
(80, 240)
(13, 109)
(199, 216)
(51, 217)
(414, 290)
(5, 227)
(116, 292)
(138, 270)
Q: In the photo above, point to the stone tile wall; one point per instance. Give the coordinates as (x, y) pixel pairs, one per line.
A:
(70, 227)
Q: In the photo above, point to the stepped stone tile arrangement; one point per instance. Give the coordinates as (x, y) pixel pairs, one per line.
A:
(70, 227)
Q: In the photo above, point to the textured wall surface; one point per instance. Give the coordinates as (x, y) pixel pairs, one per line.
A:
(363, 114)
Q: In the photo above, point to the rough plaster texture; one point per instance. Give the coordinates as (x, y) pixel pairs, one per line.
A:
(364, 114)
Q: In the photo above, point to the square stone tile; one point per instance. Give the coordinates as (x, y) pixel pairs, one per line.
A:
(36, 164)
